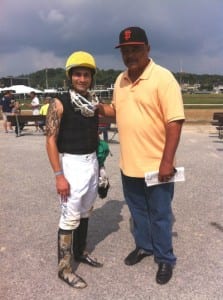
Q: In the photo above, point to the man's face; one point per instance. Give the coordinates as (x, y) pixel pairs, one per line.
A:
(81, 80)
(135, 57)
(8, 94)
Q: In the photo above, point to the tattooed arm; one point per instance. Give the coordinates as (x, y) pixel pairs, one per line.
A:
(53, 119)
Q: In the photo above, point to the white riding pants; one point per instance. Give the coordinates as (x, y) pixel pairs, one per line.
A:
(81, 171)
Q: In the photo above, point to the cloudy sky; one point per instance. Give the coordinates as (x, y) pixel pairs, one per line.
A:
(185, 35)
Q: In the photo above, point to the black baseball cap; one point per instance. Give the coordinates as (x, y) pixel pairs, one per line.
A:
(132, 36)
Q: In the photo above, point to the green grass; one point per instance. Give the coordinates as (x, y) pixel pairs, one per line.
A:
(198, 99)
(27, 101)
(203, 99)
(195, 99)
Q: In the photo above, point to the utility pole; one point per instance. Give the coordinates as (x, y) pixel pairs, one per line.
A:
(181, 73)
(46, 79)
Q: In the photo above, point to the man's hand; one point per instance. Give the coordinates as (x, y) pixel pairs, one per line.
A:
(63, 187)
(166, 172)
(166, 169)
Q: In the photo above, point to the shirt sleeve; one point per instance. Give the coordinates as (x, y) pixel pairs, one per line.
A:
(171, 101)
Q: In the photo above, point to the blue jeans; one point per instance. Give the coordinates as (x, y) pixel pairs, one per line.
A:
(151, 212)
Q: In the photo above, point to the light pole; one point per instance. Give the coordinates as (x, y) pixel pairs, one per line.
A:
(46, 79)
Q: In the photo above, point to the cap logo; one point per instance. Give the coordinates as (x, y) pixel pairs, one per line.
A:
(127, 35)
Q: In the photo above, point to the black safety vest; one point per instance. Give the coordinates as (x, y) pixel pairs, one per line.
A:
(77, 134)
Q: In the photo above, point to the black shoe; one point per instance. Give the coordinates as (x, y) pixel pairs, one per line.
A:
(135, 256)
(164, 273)
(86, 259)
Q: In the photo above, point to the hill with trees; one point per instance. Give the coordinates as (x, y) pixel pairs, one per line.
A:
(56, 78)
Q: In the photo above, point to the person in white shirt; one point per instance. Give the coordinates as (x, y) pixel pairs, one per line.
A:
(35, 106)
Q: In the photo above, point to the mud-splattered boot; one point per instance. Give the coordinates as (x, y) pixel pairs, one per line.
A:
(65, 271)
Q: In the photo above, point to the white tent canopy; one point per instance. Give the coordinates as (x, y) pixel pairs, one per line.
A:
(21, 89)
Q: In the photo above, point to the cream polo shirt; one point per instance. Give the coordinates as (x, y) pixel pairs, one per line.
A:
(143, 109)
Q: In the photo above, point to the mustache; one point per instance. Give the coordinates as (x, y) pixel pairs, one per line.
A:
(130, 60)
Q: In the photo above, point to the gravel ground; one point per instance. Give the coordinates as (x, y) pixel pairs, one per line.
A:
(29, 215)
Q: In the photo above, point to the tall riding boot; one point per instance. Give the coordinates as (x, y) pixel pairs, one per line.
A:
(65, 271)
(80, 241)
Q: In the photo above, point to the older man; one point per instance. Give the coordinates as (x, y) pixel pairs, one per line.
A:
(149, 111)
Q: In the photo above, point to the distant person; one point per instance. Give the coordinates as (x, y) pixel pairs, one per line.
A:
(43, 111)
(45, 106)
(6, 105)
(148, 106)
(72, 142)
(17, 111)
(35, 106)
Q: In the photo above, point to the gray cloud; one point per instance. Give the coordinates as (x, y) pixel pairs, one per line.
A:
(184, 35)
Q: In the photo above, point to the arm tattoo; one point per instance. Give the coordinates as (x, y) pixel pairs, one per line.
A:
(52, 120)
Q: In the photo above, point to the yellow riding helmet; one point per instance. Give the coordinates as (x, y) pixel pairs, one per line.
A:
(80, 59)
